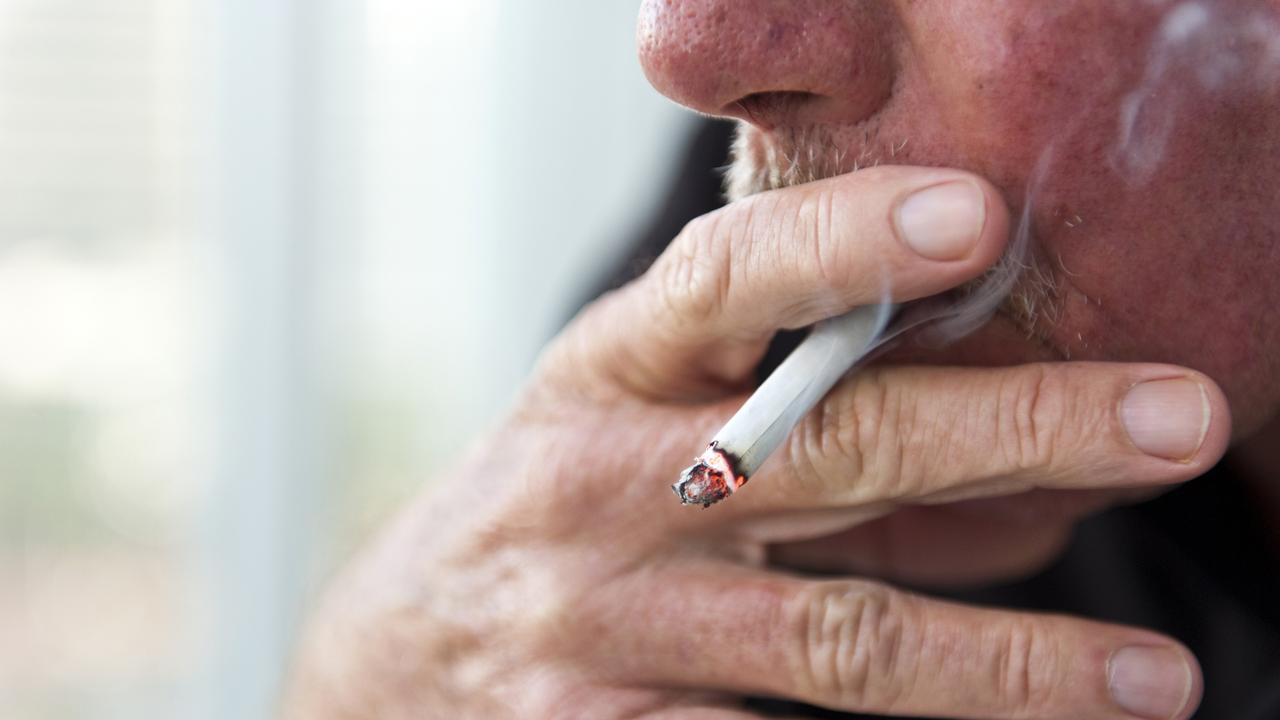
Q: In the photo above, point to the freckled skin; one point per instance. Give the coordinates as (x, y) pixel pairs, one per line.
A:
(1177, 266)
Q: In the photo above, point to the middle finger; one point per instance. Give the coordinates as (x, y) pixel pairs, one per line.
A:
(930, 435)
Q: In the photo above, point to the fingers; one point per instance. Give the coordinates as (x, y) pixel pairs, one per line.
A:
(698, 321)
(866, 647)
(932, 435)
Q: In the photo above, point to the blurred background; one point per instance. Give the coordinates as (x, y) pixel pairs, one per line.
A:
(265, 266)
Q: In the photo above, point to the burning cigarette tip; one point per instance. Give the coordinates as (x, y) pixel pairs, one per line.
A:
(701, 485)
(709, 480)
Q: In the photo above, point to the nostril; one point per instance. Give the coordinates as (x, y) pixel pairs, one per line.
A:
(767, 109)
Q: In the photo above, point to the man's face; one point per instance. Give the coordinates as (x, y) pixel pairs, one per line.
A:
(1142, 138)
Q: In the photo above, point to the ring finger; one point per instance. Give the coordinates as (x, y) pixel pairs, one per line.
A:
(866, 647)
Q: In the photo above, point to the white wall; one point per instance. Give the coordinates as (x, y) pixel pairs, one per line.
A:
(514, 145)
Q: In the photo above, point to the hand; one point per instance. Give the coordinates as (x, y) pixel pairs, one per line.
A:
(555, 576)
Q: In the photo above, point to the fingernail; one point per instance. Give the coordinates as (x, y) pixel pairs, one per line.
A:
(1167, 418)
(943, 222)
(1150, 682)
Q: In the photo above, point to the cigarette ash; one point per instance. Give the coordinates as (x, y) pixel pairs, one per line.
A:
(710, 479)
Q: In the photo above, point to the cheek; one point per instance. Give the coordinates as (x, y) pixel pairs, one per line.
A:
(1157, 206)
(1179, 267)
(1012, 77)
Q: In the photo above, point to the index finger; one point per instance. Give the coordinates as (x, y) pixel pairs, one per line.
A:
(700, 319)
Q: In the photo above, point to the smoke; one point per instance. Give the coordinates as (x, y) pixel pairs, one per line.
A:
(1202, 53)
(1201, 50)
(1015, 281)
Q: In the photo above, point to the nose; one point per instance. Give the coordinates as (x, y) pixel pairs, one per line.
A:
(770, 62)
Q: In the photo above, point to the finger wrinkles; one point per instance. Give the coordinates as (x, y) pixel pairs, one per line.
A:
(1028, 416)
(820, 259)
(904, 442)
(783, 259)
(694, 277)
(851, 447)
(752, 267)
(826, 436)
(859, 646)
(1022, 680)
(999, 665)
(602, 358)
(1002, 428)
(849, 646)
(1045, 418)
(726, 261)
(815, 218)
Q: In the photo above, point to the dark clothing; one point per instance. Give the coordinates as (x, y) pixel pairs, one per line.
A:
(1197, 563)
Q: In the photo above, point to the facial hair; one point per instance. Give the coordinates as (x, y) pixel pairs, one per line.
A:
(789, 156)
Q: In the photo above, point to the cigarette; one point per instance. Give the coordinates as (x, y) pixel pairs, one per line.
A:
(832, 348)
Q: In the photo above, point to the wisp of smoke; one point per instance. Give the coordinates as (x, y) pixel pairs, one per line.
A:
(1201, 47)
(979, 301)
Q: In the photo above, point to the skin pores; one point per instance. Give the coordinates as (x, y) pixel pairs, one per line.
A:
(1157, 123)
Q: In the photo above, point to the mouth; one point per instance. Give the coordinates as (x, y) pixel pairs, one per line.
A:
(1021, 292)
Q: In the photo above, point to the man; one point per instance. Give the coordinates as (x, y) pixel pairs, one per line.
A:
(884, 143)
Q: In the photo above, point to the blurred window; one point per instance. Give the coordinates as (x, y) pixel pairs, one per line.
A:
(98, 420)
(265, 267)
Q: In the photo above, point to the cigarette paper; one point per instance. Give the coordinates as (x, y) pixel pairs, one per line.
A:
(777, 406)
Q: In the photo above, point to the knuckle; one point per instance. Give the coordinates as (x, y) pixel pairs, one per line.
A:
(815, 217)
(849, 644)
(854, 445)
(724, 256)
(822, 450)
(1029, 410)
(693, 279)
(822, 447)
(1024, 668)
(889, 423)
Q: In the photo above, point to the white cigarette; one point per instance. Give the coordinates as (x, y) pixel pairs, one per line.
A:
(795, 387)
